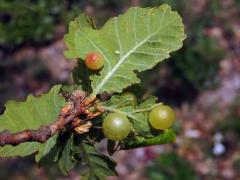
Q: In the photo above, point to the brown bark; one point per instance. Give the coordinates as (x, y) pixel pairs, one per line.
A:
(41, 135)
(72, 110)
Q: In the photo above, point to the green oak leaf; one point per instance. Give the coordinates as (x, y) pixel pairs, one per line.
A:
(167, 136)
(31, 114)
(66, 162)
(44, 150)
(137, 113)
(100, 166)
(56, 151)
(130, 43)
(69, 39)
(124, 103)
(139, 117)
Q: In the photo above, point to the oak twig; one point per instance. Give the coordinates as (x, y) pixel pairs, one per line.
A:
(70, 111)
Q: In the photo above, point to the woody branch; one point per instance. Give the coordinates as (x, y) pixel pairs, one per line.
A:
(70, 112)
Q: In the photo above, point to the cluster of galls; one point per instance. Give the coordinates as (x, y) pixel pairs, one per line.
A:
(116, 126)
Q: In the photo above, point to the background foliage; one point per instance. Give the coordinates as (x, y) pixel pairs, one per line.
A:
(31, 22)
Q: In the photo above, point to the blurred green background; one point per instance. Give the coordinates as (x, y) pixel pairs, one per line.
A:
(201, 80)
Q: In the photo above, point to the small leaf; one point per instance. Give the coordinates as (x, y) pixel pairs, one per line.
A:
(100, 166)
(45, 149)
(32, 114)
(130, 43)
(69, 39)
(124, 103)
(139, 117)
(53, 152)
(167, 136)
(138, 114)
(66, 162)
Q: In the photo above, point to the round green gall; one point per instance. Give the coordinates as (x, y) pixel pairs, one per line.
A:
(161, 117)
(116, 126)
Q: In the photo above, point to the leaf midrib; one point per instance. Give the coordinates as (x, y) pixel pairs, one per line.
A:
(115, 68)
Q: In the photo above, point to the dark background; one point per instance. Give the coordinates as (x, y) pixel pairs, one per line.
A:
(201, 81)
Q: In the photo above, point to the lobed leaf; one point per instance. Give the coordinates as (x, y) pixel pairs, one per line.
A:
(124, 103)
(69, 39)
(66, 162)
(45, 150)
(137, 113)
(100, 166)
(139, 117)
(130, 43)
(167, 136)
(31, 114)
